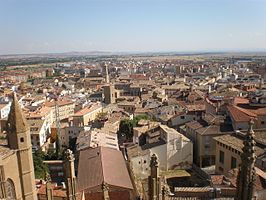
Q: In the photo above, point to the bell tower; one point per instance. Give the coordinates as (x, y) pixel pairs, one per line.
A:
(18, 135)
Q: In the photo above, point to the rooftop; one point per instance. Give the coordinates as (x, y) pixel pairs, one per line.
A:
(235, 143)
(96, 167)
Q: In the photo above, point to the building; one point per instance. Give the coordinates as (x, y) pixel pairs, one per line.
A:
(241, 115)
(65, 108)
(68, 191)
(128, 106)
(201, 134)
(103, 175)
(110, 94)
(174, 150)
(228, 153)
(95, 138)
(86, 115)
(38, 133)
(4, 110)
(16, 165)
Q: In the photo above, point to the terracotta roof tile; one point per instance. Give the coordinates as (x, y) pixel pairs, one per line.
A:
(238, 115)
(102, 165)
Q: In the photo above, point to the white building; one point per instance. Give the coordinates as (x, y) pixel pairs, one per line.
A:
(4, 110)
(174, 150)
(38, 132)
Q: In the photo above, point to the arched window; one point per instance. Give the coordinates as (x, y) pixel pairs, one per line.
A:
(10, 190)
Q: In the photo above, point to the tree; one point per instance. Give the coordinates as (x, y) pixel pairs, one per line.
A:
(101, 116)
(126, 129)
(40, 168)
(126, 126)
(138, 118)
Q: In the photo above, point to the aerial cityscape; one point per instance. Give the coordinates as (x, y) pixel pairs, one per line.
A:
(133, 100)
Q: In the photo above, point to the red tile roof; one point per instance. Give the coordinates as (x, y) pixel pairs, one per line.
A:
(260, 178)
(87, 110)
(57, 191)
(100, 165)
(239, 100)
(239, 114)
(60, 103)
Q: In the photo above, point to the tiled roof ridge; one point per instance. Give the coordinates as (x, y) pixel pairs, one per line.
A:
(249, 113)
(101, 158)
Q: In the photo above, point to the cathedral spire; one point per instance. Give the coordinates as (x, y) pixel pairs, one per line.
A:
(16, 122)
(247, 175)
(17, 127)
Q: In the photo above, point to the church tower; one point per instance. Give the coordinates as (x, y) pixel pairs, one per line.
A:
(105, 72)
(247, 175)
(18, 135)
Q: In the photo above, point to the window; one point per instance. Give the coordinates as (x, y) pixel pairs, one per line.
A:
(221, 157)
(10, 189)
(233, 162)
(21, 139)
(262, 122)
(182, 117)
(60, 174)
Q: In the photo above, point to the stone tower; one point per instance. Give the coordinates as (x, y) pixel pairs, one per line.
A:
(70, 177)
(105, 72)
(247, 175)
(154, 180)
(18, 135)
(109, 94)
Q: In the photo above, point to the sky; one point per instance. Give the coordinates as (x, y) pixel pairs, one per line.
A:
(56, 26)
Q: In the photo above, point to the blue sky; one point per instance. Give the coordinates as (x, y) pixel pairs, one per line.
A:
(48, 26)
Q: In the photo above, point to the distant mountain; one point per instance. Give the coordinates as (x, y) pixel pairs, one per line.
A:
(107, 53)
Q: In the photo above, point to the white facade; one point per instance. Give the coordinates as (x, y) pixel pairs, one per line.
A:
(4, 110)
(38, 133)
(176, 153)
(184, 118)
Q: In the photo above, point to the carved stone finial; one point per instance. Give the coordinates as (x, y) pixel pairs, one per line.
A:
(105, 186)
(47, 177)
(68, 155)
(250, 129)
(247, 176)
(154, 161)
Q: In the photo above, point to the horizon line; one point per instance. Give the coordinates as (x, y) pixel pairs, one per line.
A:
(141, 52)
